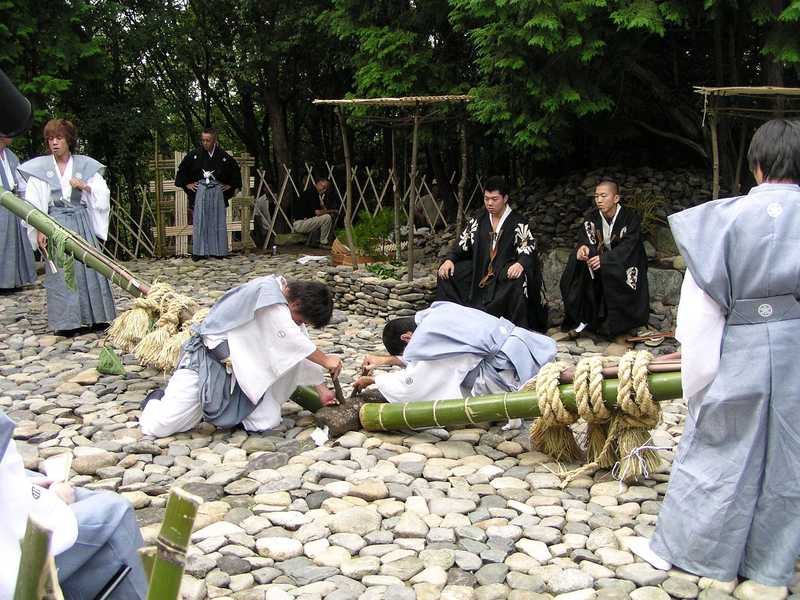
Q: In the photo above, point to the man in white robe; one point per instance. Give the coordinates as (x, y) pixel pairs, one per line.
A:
(246, 359)
(95, 537)
(441, 358)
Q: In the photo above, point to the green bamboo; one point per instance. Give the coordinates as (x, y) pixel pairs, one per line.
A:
(495, 407)
(75, 245)
(148, 557)
(172, 544)
(33, 572)
(307, 397)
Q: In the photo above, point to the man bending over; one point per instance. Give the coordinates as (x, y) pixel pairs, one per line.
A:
(246, 358)
(452, 351)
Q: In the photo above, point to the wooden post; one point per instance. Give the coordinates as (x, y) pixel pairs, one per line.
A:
(396, 199)
(712, 122)
(245, 205)
(348, 204)
(160, 241)
(462, 183)
(412, 198)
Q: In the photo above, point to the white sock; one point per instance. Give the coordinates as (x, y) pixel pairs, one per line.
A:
(641, 547)
(580, 327)
(512, 424)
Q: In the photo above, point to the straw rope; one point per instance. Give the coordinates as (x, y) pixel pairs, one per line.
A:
(550, 433)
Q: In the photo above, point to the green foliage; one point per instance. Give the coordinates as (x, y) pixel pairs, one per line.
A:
(371, 233)
(651, 208)
(383, 270)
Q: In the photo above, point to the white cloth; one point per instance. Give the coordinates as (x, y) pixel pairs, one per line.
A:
(701, 323)
(427, 379)
(499, 227)
(97, 201)
(608, 227)
(16, 503)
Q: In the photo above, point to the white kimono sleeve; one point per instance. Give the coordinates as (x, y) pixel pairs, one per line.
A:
(427, 379)
(37, 193)
(98, 201)
(16, 503)
(701, 323)
(264, 349)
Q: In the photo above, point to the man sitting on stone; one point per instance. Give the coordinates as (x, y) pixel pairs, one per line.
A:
(313, 211)
(246, 359)
(451, 351)
(494, 265)
(95, 537)
(604, 285)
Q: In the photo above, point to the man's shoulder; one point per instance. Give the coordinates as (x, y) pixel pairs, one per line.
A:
(226, 156)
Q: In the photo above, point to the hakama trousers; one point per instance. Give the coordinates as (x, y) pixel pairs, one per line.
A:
(733, 502)
(92, 301)
(17, 267)
(209, 224)
(108, 540)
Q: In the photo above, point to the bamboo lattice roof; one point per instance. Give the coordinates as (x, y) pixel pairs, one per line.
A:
(403, 101)
(747, 91)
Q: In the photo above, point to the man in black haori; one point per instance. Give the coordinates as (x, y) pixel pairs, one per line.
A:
(494, 266)
(210, 176)
(604, 285)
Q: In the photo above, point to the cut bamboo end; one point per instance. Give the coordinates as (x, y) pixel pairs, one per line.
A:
(33, 573)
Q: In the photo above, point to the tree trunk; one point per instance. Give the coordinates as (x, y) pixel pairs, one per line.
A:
(280, 148)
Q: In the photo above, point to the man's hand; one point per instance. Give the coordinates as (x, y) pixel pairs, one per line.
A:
(79, 184)
(515, 271)
(371, 362)
(363, 382)
(333, 364)
(447, 268)
(41, 241)
(583, 253)
(594, 263)
(192, 186)
(326, 397)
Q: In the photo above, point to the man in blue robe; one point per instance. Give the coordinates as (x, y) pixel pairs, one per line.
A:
(453, 351)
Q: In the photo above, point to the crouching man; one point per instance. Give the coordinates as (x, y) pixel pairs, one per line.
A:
(451, 351)
(246, 358)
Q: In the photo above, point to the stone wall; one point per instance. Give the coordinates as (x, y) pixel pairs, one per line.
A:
(375, 297)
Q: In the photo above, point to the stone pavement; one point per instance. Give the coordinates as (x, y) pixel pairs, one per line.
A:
(460, 514)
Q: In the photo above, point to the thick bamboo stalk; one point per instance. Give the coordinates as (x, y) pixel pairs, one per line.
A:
(495, 407)
(172, 544)
(148, 557)
(413, 195)
(307, 397)
(33, 572)
(75, 245)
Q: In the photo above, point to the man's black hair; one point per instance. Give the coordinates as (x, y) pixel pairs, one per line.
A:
(609, 181)
(775, 148)
(314, 299)
(392, 332)
(496, 184)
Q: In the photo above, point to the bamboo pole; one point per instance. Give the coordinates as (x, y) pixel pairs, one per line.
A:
(75, 245)
(462, 182)
(495, 407)
(160, 237)
(348, 205)
(148, 557)
(413, 195)
(33, 572)
(172, 544)
(396, 200)
(712, 122)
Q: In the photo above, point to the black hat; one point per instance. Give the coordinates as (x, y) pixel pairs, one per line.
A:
(16, 115)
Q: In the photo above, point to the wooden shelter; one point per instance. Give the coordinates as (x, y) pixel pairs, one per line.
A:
(416, 104)
(743, 103)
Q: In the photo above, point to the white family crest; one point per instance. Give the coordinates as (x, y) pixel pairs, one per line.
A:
(590, 232)
(468, 235)
(632, 277)
(623, 232)
(524, 239)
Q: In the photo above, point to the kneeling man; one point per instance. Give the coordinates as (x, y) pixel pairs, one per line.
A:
(246, 359)
(451, 351)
